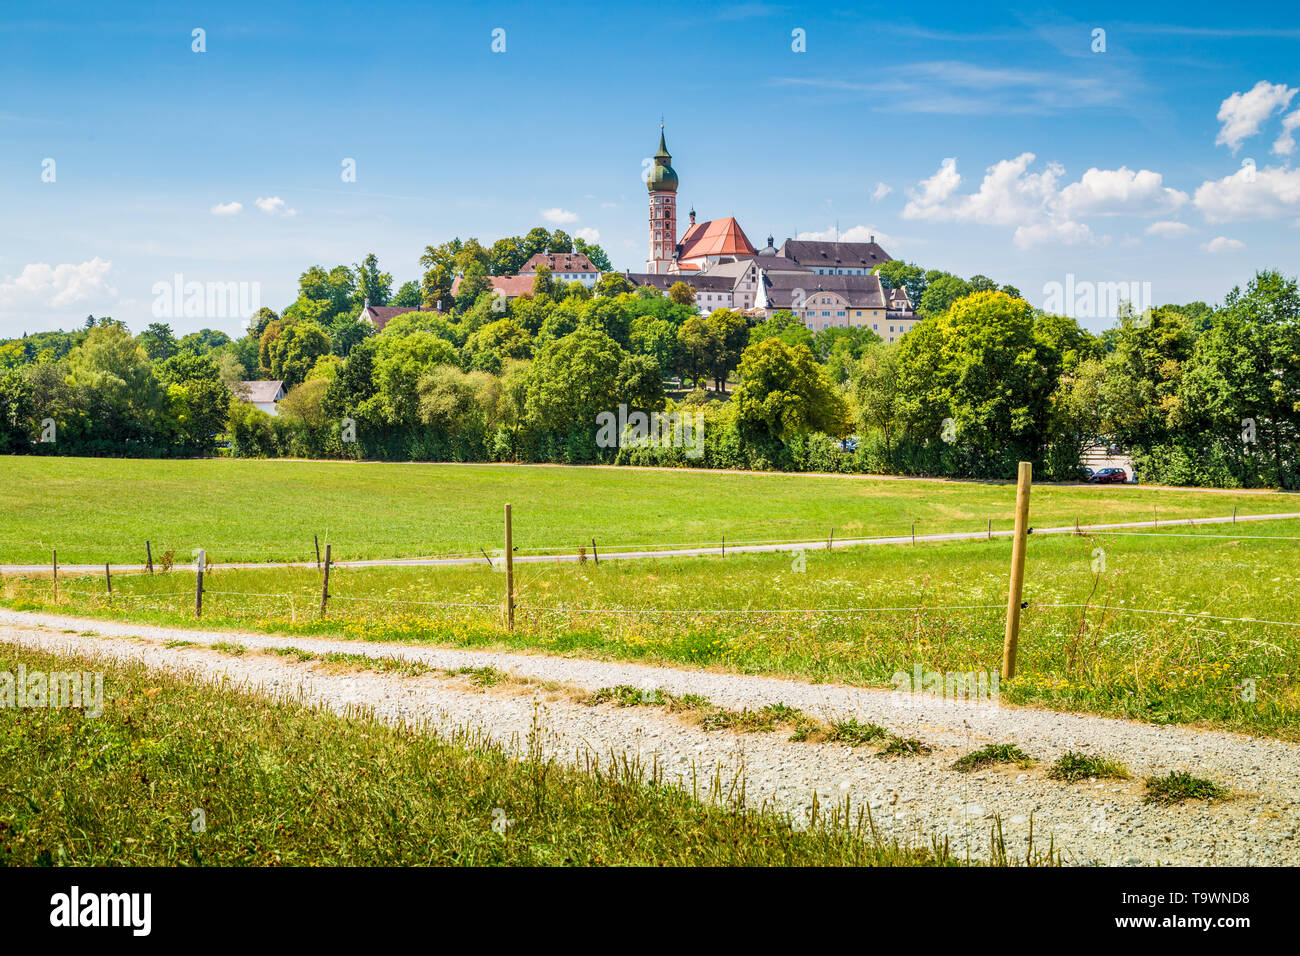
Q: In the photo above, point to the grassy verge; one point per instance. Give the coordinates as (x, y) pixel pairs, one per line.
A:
(945, 612)
(270, 510)
(281, 783)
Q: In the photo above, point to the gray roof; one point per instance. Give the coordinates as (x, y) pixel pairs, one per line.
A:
(861, 292)
(262, 393)
(852, 255)
(699, 281)
(767, 263)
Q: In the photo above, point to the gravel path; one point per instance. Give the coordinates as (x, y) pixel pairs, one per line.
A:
(911, 797)
(691, 552)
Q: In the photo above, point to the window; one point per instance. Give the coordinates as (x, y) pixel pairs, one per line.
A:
(841, 313)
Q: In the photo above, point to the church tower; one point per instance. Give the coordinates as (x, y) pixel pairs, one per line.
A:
(661, 181)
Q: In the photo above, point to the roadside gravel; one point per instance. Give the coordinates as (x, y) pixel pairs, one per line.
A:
(913, 798)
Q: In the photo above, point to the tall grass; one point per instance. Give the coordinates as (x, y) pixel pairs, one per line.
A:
(280, 783)
(946, 612)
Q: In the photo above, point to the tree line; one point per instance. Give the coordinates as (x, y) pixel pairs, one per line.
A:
(1196, 394)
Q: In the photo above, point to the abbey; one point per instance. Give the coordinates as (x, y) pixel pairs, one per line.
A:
(825, 284)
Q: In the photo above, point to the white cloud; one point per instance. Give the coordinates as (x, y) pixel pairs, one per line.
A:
(855, 234)
(1009, 195)
(930, 194)
(1242, 114)
(1168, 230)
(1111, 192)
(880, 192)
(227, 208)
(1284, 145)
(1063, 232)
(558, 215)
(42, 286)
(1223, 244)
(588, 234)
(1250, 193)
(273, 206)
(609, 205)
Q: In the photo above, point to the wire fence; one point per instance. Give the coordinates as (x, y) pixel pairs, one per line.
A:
(325, 594)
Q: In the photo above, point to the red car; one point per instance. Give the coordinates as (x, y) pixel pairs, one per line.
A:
(1109, 476)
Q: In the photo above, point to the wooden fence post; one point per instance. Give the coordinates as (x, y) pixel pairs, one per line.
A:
(990, 529)
(913, 532)
(316, 538)
(56, 575)
(1016, 590)
(108, 581)
(594, 554)
(510, 575)
(148, 557)
(724, 545)
(830, 542)
(325, 584)
(202, 559)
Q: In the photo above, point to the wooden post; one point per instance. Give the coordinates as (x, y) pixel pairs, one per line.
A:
(56, 575)
(316, 538)
(830, 542)
(990, 529)
(724, 545)
(148, 557)
(510, 575)
(593, 551)
(1017, 586)
(487, 559)
(325, 584)
(913, 532)
(198, 583)
(1076, 525)
(108, 581)
(1234, 514)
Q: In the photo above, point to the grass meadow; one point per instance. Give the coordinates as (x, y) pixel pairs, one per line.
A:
(279, 783)
(102, 510)
(1086, 643)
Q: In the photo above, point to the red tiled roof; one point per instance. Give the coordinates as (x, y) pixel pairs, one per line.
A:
(511, 286)
(717, 237)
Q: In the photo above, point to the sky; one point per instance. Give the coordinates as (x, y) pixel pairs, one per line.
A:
(1020, 142)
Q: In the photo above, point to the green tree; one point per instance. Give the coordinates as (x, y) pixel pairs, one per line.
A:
(293, 353)
(784, 392)
(612, 284)
(594, 253)
(876, 396)
(158, 341)
(941, 291)
(680, 293)
(371, 284)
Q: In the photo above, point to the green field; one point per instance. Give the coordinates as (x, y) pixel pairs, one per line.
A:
(1180, 665)
(282, 784)
(102, 510)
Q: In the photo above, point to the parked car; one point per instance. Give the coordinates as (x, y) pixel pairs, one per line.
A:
(1109, 476)
(1087, 473)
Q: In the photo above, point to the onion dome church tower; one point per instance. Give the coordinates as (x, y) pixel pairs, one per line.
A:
(661, 181)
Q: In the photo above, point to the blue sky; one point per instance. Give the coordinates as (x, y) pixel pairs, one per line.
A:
(965, 138)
